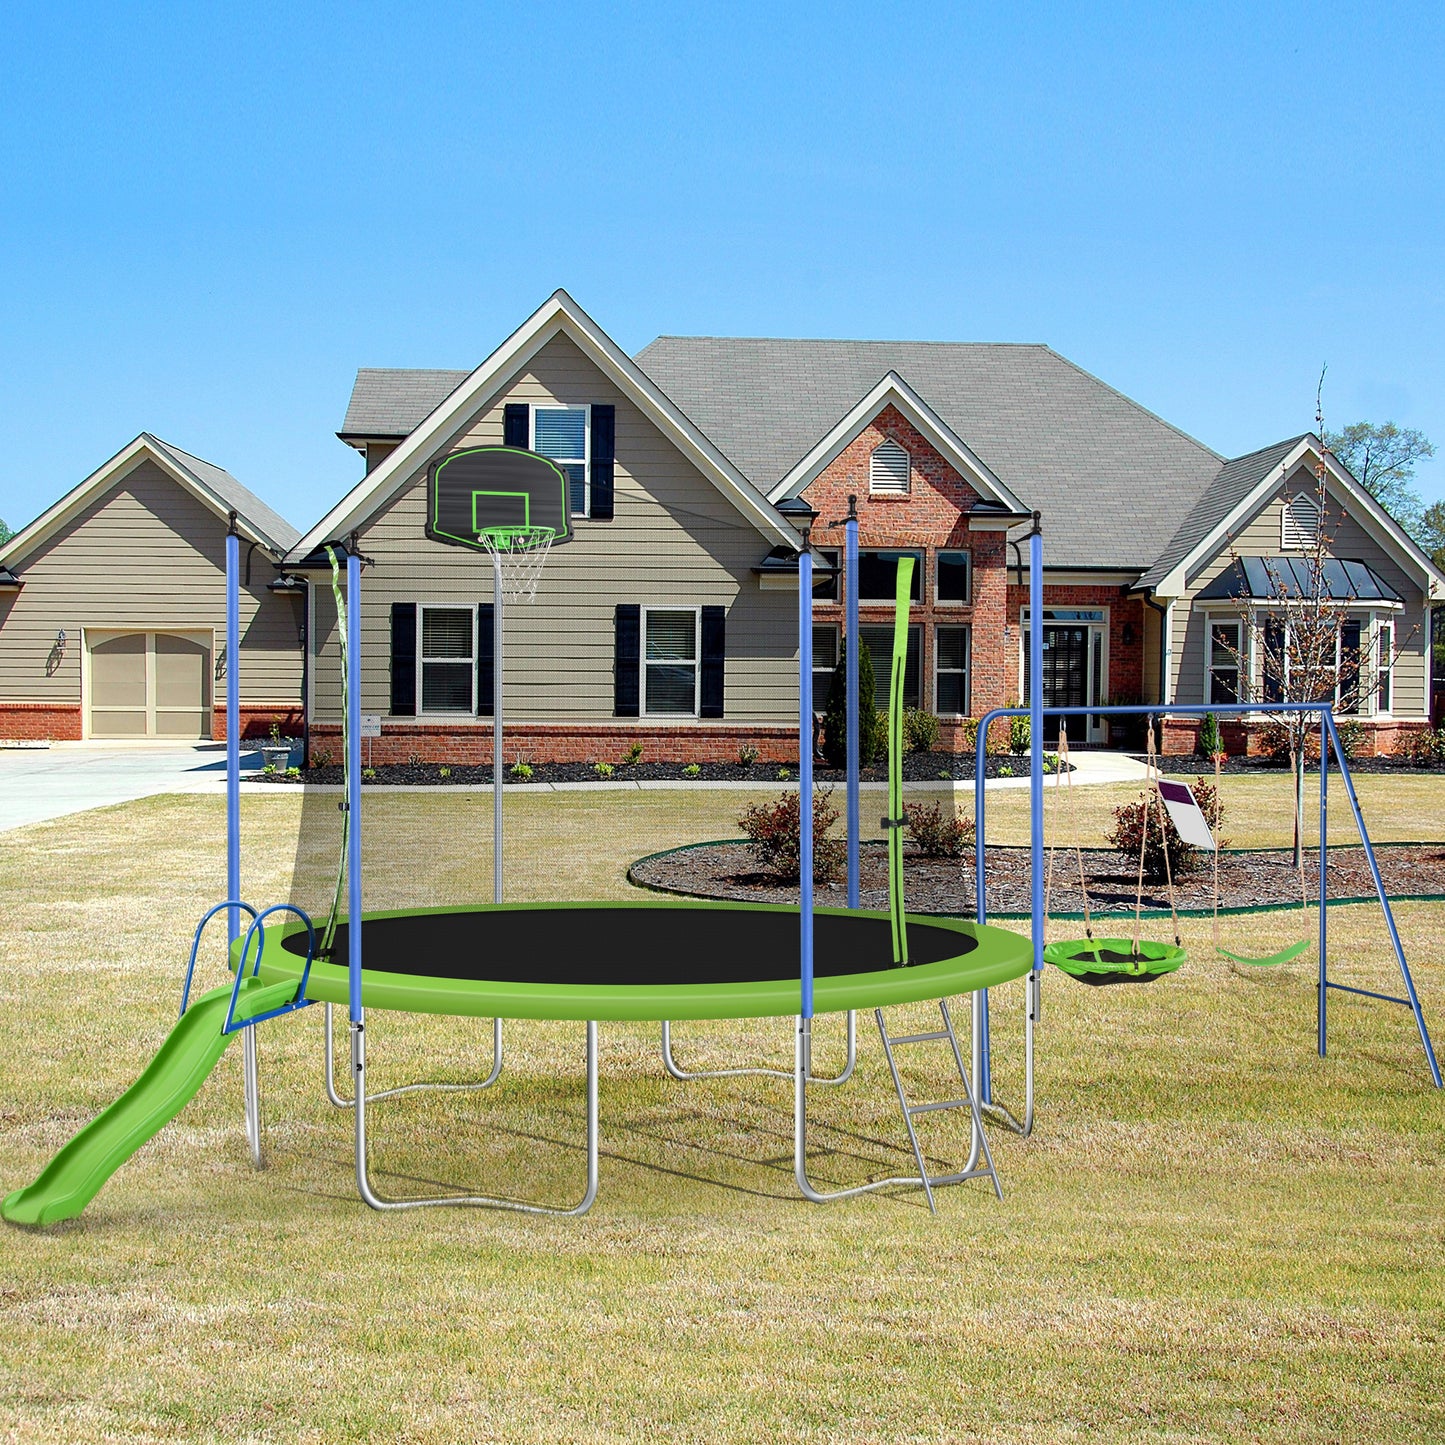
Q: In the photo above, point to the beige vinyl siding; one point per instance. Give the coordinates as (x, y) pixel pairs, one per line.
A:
(674, 541)
(144, 555)
(1260, 537)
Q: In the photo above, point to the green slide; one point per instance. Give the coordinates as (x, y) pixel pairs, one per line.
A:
(171, 1080)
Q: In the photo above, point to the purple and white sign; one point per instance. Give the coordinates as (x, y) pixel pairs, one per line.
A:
(1186, 814)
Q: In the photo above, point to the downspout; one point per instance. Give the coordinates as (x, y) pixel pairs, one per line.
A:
(1166, 652)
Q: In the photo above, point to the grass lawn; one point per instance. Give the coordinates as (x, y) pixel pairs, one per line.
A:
(1213, 1235)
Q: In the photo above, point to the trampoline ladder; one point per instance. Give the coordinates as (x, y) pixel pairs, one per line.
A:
(911, 1111)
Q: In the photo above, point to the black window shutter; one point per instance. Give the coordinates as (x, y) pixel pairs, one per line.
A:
(486, 639)
(604, 453)
(714, 652)
(403, 659)
(516, 425)
(627, 661)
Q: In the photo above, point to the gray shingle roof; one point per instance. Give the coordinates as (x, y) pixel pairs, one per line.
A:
(232, 496)
(391, 401)
(1234, 481)
(1111, 479)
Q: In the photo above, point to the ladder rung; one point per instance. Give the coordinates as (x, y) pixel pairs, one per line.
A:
(926, 1108)
(920, 1038)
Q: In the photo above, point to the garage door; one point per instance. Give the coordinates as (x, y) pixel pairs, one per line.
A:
(150, 684)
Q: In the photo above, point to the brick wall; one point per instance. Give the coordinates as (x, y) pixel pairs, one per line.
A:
(1379, 737)
(39, 722)
(933, 515)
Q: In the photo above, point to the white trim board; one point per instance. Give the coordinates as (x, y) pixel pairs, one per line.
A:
(558, 315)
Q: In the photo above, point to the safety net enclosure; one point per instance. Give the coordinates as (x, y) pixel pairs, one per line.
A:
(495, 740)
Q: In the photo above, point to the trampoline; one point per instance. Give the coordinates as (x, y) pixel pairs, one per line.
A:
(643, 961)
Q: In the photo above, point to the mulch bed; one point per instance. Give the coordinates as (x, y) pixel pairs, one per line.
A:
(917, 768)
(1193, 766)
(1261, 879)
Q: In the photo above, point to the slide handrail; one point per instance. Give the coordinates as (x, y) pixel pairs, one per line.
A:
(196, 944)
(300, 1000)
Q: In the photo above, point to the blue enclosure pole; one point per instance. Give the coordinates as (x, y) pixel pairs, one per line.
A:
(805, 773)
(353, 779)
(850, 643)
(233, 729)
(1036, 743)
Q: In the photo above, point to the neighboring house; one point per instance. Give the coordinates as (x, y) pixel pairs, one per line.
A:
(944, 446)
(113, 607)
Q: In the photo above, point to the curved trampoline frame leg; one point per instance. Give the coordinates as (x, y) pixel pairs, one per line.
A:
(993, 1111)
(669, 1062)
(335, 1096)
(928, 1183)
(251, 1073)
(377, 1201)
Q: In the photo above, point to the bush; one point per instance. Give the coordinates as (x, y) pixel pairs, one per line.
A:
(320, 757)
(603, 770)
(522, 770)
(747, 755)
(775, 840)
(968, 734)
(1210, 743)
(938, 834)
(1130, 821)
(1352, 738)
(692, 770)
(1423, 749)
(920, 730)
(872, 736)
(1018, 735)
(634, 753)
(1274, 742)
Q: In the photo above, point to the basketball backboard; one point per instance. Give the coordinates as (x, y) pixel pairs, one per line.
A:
(482, 489)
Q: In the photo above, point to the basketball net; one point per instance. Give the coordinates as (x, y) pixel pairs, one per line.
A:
(519, 553)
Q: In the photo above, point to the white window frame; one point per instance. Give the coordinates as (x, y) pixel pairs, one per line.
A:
(817, 669)
(585, 460)
(1242, 667)
(967, 670)
(1372, 624)
(1293, 499)
(421, 659)
(1384, 666)
(890, 491)
(967, 600)
(920, 558)
(696, 661)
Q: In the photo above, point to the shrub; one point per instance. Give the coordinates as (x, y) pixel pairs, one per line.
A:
(747, 755)
(784, 774)
(521, 770)
(774, 837)
(1274, 742)
(938, 834)
(920, 730)
(603, 770)
(296, 772)
(872, 727)
(1130, 820)
(444, 772)
(320, 757)
(968, 734)
(634, 753)
(692, 770)
(369, 774)
(1018, 735)
(269, 770)
(1423, 749)
(1209, 744)
(1352, 738)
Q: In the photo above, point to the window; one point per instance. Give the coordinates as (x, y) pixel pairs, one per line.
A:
(561, 433)
(1347, 667)
(1300, 523)
(448, 659)
(825, 574)
(878, 576)
(825, 659)
(888, 470)
(950, 671)
(669, 654)
(878, 639)
(1384, 664)
(953, 577)
(1224, 654)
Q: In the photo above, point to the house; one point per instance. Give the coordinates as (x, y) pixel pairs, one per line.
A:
(678, 461)
(113, 606)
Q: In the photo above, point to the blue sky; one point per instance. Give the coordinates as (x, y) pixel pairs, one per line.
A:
(210, 216)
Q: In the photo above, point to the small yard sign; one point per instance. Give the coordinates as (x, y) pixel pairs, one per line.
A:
(1186, 814)
(371, 724)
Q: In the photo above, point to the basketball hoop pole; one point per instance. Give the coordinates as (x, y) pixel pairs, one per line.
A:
(496, 727)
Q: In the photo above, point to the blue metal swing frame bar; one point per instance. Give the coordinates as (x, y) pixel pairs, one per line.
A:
(1329, 744)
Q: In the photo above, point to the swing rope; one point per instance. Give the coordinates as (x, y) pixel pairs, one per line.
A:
(1293, 950)
(1151, 784)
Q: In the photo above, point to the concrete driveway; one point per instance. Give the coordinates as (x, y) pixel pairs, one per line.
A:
(37, 784)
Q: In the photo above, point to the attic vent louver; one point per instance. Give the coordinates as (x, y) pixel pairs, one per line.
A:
(1300, 525)
(888, 470)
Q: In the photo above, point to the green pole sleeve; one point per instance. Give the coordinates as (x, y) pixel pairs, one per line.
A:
(902, 610)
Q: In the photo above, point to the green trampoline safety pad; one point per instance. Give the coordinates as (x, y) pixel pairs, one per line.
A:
(643, 961)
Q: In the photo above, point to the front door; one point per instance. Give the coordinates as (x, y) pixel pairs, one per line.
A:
(1073, 671)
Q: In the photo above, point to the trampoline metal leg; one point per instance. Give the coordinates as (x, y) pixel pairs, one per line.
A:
(669, 1062)
(994, 1112)
(476, 1201)
(252, 1086)
(341, 1102)
(800, 1139)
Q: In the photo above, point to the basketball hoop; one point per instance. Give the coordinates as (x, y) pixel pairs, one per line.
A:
(519, 554)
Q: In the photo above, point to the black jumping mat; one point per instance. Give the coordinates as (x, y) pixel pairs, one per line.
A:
(647, 945)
